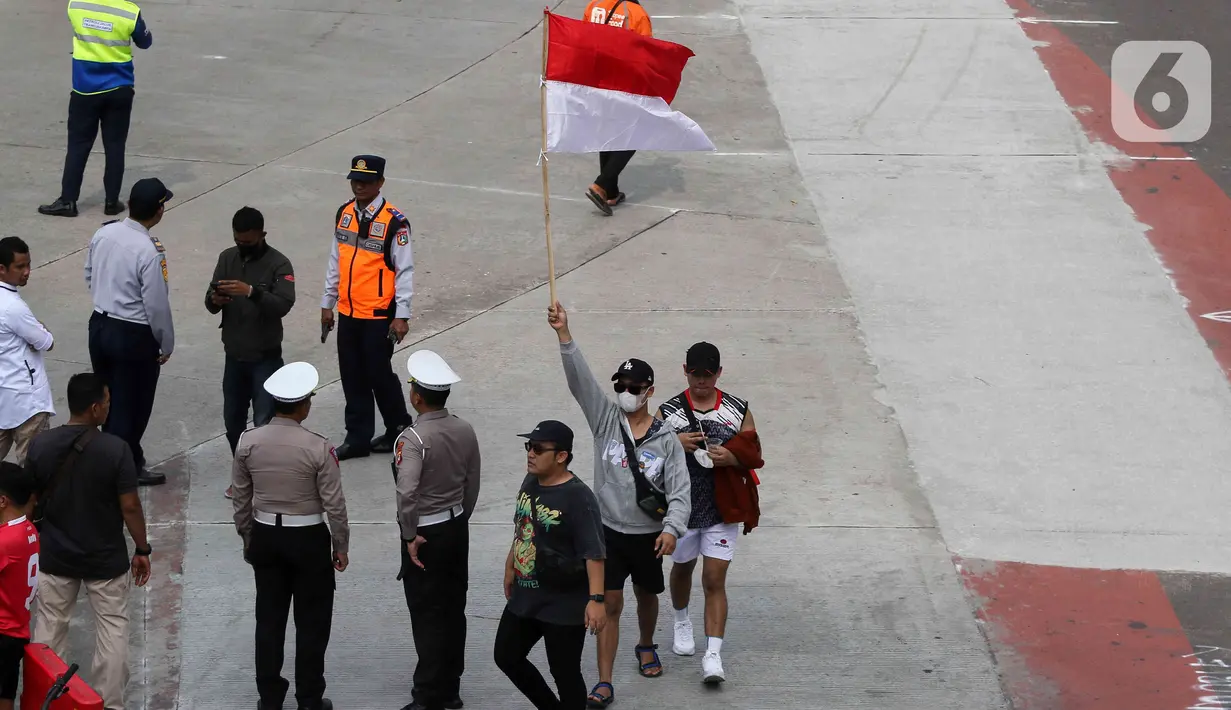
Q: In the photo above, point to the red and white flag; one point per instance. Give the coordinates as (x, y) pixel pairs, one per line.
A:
(609, 88)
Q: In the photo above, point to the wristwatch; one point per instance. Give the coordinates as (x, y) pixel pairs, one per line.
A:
(597, 598)
(138, 552)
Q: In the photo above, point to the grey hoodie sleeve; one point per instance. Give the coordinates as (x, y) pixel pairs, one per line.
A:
(594, 403)
(678, 486)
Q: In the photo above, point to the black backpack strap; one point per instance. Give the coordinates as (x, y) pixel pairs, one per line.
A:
(687, 407)
(80, 442)
(613, 12)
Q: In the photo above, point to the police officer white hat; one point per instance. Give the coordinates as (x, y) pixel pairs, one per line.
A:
(430, 371)
(293, 383)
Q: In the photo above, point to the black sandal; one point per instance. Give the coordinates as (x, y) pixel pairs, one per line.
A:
(598, 701)
(599, 201)
(642, 667)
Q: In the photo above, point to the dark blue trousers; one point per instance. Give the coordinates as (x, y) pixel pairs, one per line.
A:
(243, 383)
(125, 355)
(364, 351)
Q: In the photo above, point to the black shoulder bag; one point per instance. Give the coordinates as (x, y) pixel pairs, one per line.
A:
(66, 467)
(651, 502)
(692, 418)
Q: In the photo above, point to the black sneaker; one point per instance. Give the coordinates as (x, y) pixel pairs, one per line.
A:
(113, 207)
(383, 444)
(59, 208)
(349, 451)
(149, 478)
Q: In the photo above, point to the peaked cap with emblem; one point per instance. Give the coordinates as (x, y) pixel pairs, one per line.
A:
(293, 383)
(430, 371)
(368, 168)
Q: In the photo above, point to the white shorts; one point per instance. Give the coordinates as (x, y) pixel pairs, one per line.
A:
(716, 541)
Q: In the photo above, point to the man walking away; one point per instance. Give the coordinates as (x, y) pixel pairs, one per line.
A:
(605, 191)
(103, 34)
(436, 467)
(645, 509)
(131, 331)
(254, 288)
(25, 394)
(18, 575)
(87, 484)
(705, 418)
(553, 577)
(286, 481)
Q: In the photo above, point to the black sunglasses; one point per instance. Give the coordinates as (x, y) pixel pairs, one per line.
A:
(537, 448)
(620, 387)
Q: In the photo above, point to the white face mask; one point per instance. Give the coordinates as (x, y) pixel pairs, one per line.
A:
(630, 402)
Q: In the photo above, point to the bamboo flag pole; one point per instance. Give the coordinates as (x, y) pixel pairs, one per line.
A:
(551, 258)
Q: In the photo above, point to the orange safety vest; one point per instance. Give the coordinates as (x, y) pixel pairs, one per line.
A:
(366, 276)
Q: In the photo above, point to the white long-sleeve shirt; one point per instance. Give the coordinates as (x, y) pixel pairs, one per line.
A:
(24, 388)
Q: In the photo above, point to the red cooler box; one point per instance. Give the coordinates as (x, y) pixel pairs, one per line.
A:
(40, 669)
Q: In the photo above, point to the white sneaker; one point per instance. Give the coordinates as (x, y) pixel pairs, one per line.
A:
(711, 668)
(683, 644)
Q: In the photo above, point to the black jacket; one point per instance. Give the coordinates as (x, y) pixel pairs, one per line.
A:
(252, 327)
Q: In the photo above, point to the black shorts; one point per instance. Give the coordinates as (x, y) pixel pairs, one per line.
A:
(630, 555)
(11, 652)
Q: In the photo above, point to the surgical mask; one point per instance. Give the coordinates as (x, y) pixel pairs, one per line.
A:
(630, 402)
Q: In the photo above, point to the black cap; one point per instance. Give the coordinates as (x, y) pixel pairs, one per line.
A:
(149, 192)
(703, 356)
(634, 370)
(551, 430)
(368, 168)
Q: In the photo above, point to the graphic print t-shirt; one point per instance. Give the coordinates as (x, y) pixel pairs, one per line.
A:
(551, 524)
(18, 576)
(719, 424)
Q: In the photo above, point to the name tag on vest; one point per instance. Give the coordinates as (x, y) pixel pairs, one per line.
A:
(94, 24)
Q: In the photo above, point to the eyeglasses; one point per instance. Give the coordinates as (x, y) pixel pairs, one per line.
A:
(537, 448)
(620, 387)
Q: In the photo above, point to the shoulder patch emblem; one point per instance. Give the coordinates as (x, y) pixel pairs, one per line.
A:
(346, 220)
(158, 245)
(397, 453)
(290, 277)
(165, 278)
(334, 453)
(403, 237)
(378, 229)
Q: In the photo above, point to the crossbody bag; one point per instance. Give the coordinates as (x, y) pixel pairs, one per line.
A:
(651, 501)
(80, 442)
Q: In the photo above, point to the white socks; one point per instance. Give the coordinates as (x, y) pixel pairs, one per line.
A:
(681, 614)
(715, 644)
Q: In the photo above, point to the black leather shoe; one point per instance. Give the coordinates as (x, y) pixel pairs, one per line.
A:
(113, 207)
(59, 208)
(416, 705)
(454, 704)
(348, 451)
(326, 704)
(149, 478)
(383, 444)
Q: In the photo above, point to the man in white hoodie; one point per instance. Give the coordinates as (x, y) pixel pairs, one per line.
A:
(25, 394)
(644, 510)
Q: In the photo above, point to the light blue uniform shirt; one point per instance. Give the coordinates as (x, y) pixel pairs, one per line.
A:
(126, 272)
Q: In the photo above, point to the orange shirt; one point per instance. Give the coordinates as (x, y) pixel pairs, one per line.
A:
(627, 14)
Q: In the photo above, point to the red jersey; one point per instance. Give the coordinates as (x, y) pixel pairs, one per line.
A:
(18, 576)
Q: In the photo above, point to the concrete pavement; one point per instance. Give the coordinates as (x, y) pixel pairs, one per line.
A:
(919, 141)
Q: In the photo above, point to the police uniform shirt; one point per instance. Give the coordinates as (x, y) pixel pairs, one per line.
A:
(284, 468)
(126, 272)
(24, 390)
(437, 462)
(403, 260)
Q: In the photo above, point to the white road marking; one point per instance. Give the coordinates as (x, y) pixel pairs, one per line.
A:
(213, 56)
(766, 153)
(1221, 316)
(1037, 20)
(694, 17)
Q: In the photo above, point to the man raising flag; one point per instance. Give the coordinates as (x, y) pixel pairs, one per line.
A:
(608, 90)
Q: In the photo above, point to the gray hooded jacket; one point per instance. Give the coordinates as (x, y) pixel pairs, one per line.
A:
(662, 458)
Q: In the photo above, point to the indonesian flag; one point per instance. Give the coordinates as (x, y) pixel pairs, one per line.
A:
(609, 88)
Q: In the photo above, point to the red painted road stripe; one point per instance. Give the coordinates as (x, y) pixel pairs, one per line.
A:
(1188, 215)
(1082, 639)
